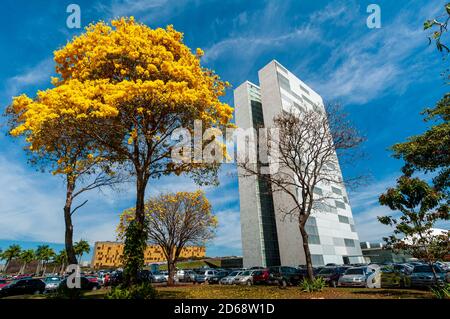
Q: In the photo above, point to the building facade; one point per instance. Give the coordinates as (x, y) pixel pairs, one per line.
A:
(269, 239)
(108, 254)
(377, 253)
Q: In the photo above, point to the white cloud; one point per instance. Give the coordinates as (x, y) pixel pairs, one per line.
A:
(370, 62)
(229, 230)
(34, 75)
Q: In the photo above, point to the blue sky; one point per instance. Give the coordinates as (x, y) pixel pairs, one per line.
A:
(384, 78)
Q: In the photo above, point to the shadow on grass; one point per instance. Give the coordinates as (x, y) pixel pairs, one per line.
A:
(393, 293)
(171, 294)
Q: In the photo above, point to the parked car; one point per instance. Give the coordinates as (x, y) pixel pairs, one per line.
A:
(23, 287)
(422, 276)
(229, 279)
(395, 277)
(157, 276)
(52, 283)
(284, 275)
(261, 276)
(332, 274)
(85, 284)
(3, 282)
(185, 275)
(215, 279)
(355, 277)
(244, 278)
(205, 275)
(116, 278)
(92, 279)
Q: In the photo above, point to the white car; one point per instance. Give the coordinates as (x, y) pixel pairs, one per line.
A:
(244, 278)
(52, 283)
(355, 277)
(229, 280)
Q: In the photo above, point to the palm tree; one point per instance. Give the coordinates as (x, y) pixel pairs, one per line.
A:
(61, 260)
(26, 257)
(80, 248)
(44, 253)
(11, 253)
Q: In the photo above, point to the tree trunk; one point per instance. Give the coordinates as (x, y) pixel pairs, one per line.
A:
(434, 273)
(71, 258)
(38, 268)
(138, 253)
(7, 265)
(171, 270)
(44, 269)
(309, 267)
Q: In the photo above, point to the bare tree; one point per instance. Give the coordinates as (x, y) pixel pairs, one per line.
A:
(299, 153)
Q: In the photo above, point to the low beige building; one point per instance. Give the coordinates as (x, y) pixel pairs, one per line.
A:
(108, 254)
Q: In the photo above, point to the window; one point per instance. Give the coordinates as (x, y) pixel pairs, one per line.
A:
(322, 207)
(339, 204)
(317, 260)
(336, 190)
(349, 242)
(338, 242)
(311, 230)
(308, 100)
(311, 221)
(318, 191)
(344, 219)
(352, 228)
(284, 82)
(314, 239)
(345, 199)
(299, 107)
(304, 89)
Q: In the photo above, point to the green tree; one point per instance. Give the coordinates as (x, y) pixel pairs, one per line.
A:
(26, 257)
(81, 247)
(44, 254)
(421, 206)
(439, 27)
(429, 152)
(11, 253)
(60, 260)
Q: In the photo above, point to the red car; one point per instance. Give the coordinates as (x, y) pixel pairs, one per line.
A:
(260, 276)
(92, 279)
(3, 282)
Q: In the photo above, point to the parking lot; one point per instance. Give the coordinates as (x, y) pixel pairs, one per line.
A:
(405, 280)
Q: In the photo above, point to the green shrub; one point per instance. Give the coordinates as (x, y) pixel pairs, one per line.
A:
(441, 292)
(142, 291)
(317, 284)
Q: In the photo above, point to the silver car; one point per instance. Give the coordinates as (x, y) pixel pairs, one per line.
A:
(185, 275)
(52, 283)
(229, 280)
(156, 276)
(245, 278)
(355, 277)
(422, 276)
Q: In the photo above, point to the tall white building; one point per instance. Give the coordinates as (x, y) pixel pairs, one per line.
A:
(269, 239)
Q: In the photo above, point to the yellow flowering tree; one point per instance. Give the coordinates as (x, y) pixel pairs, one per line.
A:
(55, 143)
(127, 88)
(173, 221)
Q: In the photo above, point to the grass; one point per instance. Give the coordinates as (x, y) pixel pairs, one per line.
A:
(265, 292)
(274, 292)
